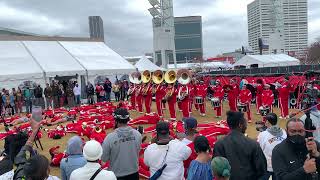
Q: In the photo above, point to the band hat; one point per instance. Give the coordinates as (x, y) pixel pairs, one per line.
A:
(92, 150)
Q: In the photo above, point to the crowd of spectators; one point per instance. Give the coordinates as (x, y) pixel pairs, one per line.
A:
(282, 154)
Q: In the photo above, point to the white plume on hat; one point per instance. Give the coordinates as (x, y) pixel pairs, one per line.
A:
(92, 150)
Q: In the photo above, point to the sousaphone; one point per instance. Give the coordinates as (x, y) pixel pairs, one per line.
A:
(146, 76)
(170, 77)
(184, 76)
(157, 77)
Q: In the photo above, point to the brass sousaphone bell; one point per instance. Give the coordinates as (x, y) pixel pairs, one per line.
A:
(184, 76)
(146, 76)
(135, 78)
(170, 77)
(157, 77)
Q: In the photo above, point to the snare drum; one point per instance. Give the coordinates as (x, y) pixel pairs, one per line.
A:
(199, 100)
(215, 102)
(264, 110)
(242, 107)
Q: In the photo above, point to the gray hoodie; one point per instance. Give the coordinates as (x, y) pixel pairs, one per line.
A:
(315, 117)
(122, 148)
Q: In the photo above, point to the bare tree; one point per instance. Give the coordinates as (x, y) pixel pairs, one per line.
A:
(312, 54)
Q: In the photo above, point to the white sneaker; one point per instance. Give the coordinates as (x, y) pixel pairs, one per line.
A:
(280, 117)
(203, 115)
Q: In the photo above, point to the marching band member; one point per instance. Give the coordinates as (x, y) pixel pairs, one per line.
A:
(192, 88)
(201, 91)
(132, 94)
(267, 97)
(147, 94)
(245, 98)
(284, 92)
(259, 89)
(171, 98)
(233, 95)
(183, 95)
(139, 97)
(160, 92)
(218, 93)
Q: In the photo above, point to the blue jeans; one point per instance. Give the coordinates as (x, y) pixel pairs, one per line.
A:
(77, 99)
(28, 105)
(108, 96)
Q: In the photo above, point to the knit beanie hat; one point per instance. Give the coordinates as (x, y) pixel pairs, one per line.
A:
(221, 167)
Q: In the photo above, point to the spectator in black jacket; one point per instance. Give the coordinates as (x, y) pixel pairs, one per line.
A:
(38, 94)
(48, 96)
(290, 159)
(107, 88)
(244, 154)
(90, 93)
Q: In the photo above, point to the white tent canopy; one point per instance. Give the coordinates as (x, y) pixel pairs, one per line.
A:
(97, 58)
(206, 65)
(267, 60)
(145, 64)
(54, 59)
(17, 65)
(39, 60)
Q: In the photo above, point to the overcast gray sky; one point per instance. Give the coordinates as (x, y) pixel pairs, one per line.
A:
(127, 23)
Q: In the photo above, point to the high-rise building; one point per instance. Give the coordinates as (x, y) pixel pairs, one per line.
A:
(96, 27)
(188, 39)
(282, 24)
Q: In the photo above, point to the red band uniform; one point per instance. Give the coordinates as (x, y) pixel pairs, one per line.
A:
(218, 93)
(245, 97)
(183, 95)
(133, 96)
(139, 97)
(160, 93)
(284, 92)
(148, 97)
(201, 91)
(267, 97)
(191, 95)
(233, 95)
(171, 97)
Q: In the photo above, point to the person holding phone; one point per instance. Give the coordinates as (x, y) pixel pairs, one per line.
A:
(296, 158)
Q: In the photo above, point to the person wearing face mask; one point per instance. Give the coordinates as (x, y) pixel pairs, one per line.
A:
(291, 159)
(244, 154)
(268, 139)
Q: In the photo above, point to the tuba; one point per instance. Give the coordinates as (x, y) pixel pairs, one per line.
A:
(184, 76)
(98, 129)
(170, 77)
(146, 76)
(157, 78)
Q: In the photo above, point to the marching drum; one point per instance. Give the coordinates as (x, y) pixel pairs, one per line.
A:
(199, 100)
(264, 110)
(215, 102)
(242, 107)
